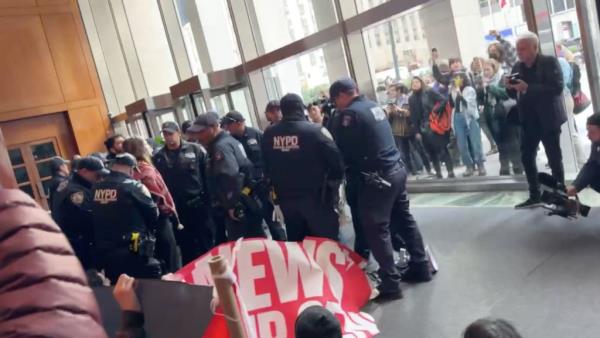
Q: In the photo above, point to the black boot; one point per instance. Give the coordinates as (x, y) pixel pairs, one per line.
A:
(417, 273)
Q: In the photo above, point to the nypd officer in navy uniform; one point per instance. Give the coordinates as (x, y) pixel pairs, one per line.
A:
(125, 220)
(72, 208)
(182, 165)
(229, 178)
(365, 139)
(251, 138)
(305, 167)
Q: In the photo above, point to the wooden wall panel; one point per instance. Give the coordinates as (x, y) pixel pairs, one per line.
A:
(68, 56)
(85, 122)
(7, 176)
(52, 2)
(28, 75)
(16, 3)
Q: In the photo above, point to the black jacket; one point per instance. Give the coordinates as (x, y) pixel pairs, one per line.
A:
(365, 138)
(121, 206)
(252, 140)
(229, 170)
(590, 171)
(72, 209)
(542, 105)
(52, 185)
(420, 105)
(300, 156)
(183, 171)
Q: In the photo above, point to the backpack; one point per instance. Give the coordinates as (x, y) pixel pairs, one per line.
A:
(440, 120)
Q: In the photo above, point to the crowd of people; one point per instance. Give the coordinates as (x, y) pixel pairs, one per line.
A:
(146, 212)
(443, 118)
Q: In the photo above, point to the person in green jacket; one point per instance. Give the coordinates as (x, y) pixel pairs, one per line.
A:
(497, 106)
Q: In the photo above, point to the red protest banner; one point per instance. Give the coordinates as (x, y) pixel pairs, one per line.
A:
(276, 281)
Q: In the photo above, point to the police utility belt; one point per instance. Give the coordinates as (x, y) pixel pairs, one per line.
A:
(142, 244)
(377, 178)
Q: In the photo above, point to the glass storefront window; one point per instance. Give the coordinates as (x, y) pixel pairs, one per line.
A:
(220, 104)
(240, 102)
(364, 5)
(400, 48)
(285, 21)
(218, 33)
(308, 74)
(151, 44)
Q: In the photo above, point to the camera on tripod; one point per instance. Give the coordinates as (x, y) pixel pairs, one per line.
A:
(557, 201)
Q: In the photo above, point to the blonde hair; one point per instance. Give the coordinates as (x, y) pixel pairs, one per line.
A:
(493, 63)
(137, 147)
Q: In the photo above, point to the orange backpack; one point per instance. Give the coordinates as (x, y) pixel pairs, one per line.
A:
(441, 122)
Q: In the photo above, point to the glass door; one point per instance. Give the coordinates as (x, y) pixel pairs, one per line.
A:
(31, 165)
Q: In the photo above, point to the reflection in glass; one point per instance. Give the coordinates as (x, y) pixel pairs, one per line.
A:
(16, 157)
(46, 185)
(43, 151)
(220, 104)
(241, 105)
(166, 117)
(21, 175)
(45, 169)
(27, 189)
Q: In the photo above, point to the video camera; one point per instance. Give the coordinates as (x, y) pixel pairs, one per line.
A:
(557, 201)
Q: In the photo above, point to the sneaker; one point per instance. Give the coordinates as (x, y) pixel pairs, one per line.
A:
(492, 151)
(469, 172)
(504, 172)
(417, 273)
(481, 170)
(451, 175)
(532, 202)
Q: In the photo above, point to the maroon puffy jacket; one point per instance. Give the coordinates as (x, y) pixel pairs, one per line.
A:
(43, 289)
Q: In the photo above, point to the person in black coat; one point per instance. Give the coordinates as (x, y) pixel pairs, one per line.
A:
(538, 91)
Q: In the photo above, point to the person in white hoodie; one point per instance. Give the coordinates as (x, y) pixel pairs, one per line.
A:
(463, 99)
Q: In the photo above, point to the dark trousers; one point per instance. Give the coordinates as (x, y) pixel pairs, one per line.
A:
(307, 216)
(380, 210)
(360, 242)
(531, 138)
(509, 150)
(243, 229)
(404, 145)
(166, 245)
(197, 236)
(275, 228)
(437, 148)
(218, 217)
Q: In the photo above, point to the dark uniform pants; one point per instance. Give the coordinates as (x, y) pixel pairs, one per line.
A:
(166, 246)
(531, 138)
(219, 216)
(307, 216)
(275, 228)
(197, 236)
(381, 209)
(121, 261)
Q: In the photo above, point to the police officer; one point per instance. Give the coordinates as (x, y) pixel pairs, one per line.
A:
(251, 139)
(72, 208)
(305, 167)
(365, 139)
(182, 166)
(125, 219)
(60, 173)
(229, 178)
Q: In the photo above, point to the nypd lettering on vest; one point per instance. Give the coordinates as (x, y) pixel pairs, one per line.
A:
(105, 196)
(286, 143)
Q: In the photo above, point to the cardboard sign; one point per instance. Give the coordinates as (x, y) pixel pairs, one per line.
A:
(276, 281)
(171, 309)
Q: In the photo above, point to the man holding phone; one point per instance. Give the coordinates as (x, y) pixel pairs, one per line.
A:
(536, 83)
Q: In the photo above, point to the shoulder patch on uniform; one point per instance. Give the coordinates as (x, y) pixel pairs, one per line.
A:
(77, 198)
(252, 141)
(326, 132)
(190, 154)
(62, 185)
(378, 113)
(218, 155)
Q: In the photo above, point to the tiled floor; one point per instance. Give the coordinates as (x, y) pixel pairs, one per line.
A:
(539, 272)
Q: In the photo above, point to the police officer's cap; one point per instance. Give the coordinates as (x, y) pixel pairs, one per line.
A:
(92, 163)
(232, 117)
(292, 104)
(342, 85)
(125, 159)
(203, 122)
(170, 127)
